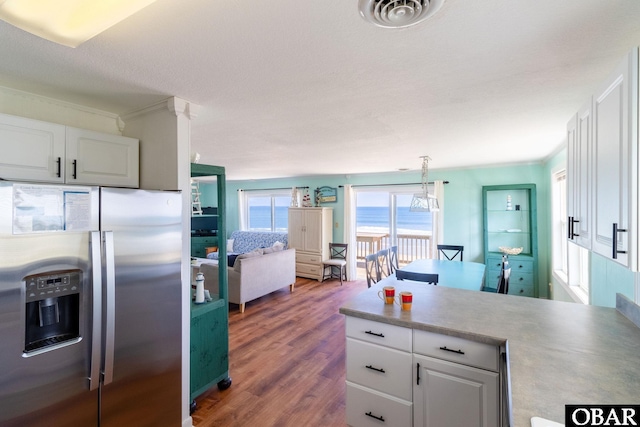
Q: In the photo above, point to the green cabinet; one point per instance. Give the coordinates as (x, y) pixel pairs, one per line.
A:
(510, 221)
(200, 244)
(209, 352)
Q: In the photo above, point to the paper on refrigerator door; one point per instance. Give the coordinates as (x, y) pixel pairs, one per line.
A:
(49, 208)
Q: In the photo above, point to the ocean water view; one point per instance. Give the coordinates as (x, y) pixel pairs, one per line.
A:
(368, 218)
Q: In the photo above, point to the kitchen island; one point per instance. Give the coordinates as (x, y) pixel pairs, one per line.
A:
(558, 353)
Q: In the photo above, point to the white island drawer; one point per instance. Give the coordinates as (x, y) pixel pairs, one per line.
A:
(369, 408)
(381, 368)
(379, 333)
(454, 349)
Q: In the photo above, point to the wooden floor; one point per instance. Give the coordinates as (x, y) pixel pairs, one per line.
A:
(286, 360)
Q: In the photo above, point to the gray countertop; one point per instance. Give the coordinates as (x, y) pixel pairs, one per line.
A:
(559, 353)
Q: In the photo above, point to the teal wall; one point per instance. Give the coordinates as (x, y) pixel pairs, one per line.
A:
(462, 202)
(463, 216)
(607, 279)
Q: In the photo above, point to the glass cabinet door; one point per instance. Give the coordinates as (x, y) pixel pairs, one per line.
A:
(508, 219)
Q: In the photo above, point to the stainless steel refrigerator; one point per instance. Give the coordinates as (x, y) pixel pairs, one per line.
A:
(90, 310)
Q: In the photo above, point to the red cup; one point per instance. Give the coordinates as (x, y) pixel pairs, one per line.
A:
(387, 294)
(404, 300)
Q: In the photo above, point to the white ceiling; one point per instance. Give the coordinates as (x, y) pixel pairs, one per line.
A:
(296, 88)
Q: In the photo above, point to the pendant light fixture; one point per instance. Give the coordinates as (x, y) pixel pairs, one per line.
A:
(424, 202)
(68, 22)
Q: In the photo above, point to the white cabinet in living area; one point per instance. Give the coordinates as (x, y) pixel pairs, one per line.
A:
(579, 176)
(379, 366)
(310, 232)
(456, 382)
(615, 163)
(39, 151)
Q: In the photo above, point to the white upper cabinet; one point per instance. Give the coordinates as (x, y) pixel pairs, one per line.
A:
(31, 150)
(101, 159)
(46, 152)
(579, 176)
(615, 145)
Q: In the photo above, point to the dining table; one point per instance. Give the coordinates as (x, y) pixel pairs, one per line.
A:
(451, 274)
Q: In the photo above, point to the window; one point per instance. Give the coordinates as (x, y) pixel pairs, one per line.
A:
(570, 262)
(267, 211)
(559, 224)
(383, 219)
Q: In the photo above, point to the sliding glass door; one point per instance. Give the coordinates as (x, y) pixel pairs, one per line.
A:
(383, 219)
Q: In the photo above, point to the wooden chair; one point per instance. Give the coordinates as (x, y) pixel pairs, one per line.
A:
(372, 269)
(431, 278)
(383, 263)
(505, 273)
(337, 263)
(450, 252)
(393, 259)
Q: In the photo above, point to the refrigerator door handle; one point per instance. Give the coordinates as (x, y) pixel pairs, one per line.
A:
(110, 315)
(96, 321)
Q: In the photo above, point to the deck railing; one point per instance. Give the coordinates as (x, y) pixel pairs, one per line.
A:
(410, 246)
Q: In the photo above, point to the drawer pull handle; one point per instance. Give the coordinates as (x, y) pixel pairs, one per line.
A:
(75, 169)
(452, 351)
(58, 174)
(375, 369)
(380, 418)
(418, 374)
(374, 334)
(521, 279)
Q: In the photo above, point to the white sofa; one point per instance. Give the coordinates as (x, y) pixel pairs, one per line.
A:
(251, 278)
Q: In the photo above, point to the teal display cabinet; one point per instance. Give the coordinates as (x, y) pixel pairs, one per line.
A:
(510, 221)
(199, 245)
(209, 352)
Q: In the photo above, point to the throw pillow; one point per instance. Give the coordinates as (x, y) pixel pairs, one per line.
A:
(268, 250)
(278, 246)
(230, 245)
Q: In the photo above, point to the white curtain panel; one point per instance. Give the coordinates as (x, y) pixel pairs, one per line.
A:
(438, 219)
(349, 224)
(242, 218)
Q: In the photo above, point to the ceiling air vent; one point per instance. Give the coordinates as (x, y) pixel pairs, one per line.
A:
(398, 13)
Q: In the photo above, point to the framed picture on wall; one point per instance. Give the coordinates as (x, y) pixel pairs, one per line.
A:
(327, 194)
